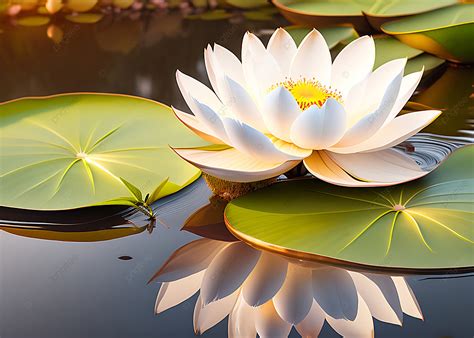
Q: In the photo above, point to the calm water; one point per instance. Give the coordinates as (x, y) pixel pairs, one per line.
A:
(50, 287)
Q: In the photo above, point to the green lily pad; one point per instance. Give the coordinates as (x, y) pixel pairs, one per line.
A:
(389, 48)
(423, 226)
(322, 12)
(428, 61)
(247, 3)
(75, 150)
(332, 35)
(33, 21)
(445, 32)
(85, 18)
(76, 236)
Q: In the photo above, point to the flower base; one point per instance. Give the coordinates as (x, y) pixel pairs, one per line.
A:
(228, 190)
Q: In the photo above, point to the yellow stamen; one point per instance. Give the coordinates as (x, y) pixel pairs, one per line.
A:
(309, 92)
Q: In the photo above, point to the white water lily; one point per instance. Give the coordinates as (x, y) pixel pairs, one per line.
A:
(266, 294)
(285, 104)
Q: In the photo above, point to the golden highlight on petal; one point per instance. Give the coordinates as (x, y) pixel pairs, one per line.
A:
(308, 92)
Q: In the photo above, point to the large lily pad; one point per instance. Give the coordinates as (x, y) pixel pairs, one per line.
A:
(321, 12)
(445, 32)
(423, 226)
(74, 150)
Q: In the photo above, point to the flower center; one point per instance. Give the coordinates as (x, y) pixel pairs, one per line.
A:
(309, 92)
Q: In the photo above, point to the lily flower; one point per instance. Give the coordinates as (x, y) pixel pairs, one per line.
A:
(284, 104)
(267, 294)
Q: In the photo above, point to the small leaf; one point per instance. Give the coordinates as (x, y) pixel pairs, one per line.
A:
(133, 189)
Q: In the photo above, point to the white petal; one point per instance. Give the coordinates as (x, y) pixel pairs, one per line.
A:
(240, 104)
(393, 133)
(311, 326)
(407, 298)
(366, 96)
(265, 280)
(280, 109)
(232, 165)
(380, 295)
(313, 59)
(176, 292)
(319, 128)
(385, 166)
(322, 166)
(335, 292)
(283, 48)
(199, 128)
(361, 327)
(269, 324)
(241, 320)
(206, 316)
(191, 88)
(229, 64)
(353, 64)
(211, 120)
(260, 68)
(369, 124)
(290, 149)
(295, 297)
(228, 271)
(211, 68)
(408, 86)
(252, 142)
(189, 259)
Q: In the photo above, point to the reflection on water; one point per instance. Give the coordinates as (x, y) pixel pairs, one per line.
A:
(267, 294)
(93, 288)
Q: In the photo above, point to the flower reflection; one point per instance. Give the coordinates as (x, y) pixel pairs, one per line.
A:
(267, 294)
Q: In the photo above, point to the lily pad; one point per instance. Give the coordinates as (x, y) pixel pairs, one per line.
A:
(445, 32)
(389, 48)
(424, 226)
(246, 4)
(75, 236)
(332, 35)
(75, 150)
(33, 21)
(85, 18)
(318, 13)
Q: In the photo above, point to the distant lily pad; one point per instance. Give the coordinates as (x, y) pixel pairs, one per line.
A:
(35, 20)
(85, 18)
(389, 48)
(332, 35)
(446, 32)
(319, 13)
(74, 150)
(75, 236)
(424, 226)
(247, 3)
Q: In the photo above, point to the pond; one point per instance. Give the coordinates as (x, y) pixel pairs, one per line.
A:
(90, 273)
